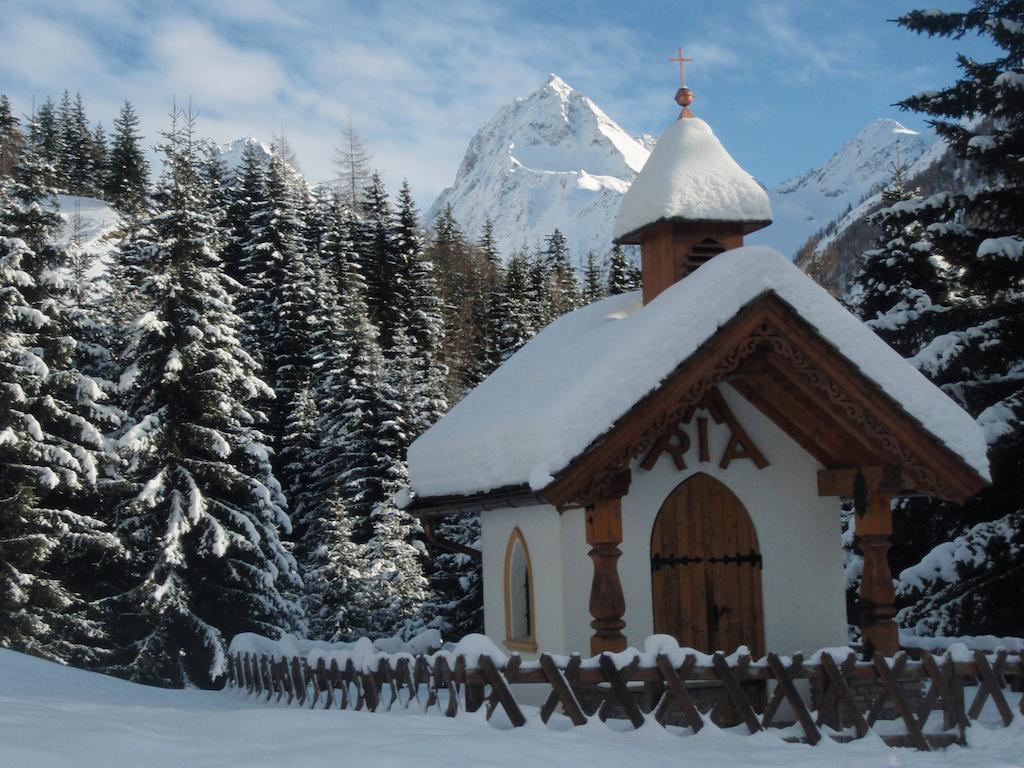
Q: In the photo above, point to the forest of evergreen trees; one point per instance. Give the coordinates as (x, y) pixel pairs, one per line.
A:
(205, 438)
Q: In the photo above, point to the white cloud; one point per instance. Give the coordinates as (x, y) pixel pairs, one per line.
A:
(190, 58)
(42, 52)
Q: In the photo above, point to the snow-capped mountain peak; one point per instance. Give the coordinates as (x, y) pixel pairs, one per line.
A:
(550, 159)
(804, 204)
(231, 152)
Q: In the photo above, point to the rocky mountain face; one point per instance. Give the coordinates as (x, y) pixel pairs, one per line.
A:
(231, 152)
(551, 159)
(830, 256)
(805, 205)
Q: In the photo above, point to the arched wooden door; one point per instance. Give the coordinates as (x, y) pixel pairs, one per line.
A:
(706, 569)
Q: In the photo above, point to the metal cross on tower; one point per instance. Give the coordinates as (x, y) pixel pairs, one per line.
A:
(680, 59)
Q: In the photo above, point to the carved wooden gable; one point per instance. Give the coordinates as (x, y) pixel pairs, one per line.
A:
(802, 383)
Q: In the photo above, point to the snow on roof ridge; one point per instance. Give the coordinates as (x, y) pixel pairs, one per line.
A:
(690, 175)
(577, 377)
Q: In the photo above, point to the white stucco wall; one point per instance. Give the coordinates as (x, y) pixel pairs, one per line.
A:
(541, 529)
(798, 532)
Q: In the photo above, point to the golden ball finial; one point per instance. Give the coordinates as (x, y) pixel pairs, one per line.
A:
(684, 97)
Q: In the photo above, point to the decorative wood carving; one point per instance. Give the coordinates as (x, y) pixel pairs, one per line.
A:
(856, 413)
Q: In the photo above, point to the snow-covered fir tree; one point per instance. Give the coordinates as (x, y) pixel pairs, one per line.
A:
(205, 518)
(12, 141)
(279, 241)
(126, 177)
(490, 318)
(77, 171)
(246, 190)
(331, 559)
(593, 283)
(424, 322)
(539, 292)
(517, 308)
(901, 285)
(622, 276)
(52, 419)
(383, 260)
(45, 140)
(565, 294)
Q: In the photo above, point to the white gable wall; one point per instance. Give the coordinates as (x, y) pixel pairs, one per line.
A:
(798, 532)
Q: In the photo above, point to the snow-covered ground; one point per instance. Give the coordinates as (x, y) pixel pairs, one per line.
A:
(55, 716)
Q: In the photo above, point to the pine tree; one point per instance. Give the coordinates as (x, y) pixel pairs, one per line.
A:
(457, 602)
(45, 141)
(245, 192)
(52, 419)
(12, 142)
(352, 162)
(518, 327)
(424, 322)
(623, 277)
(284, 279)
(331, 559)
(126, 177)
(458, 267)
(978, 355)
(66, 137)
(490, 320)
(901, 287)
(206, 515)
(382, 264)
(565, 286)
(97, 161)
(397, 586)
(593, 285)
(539, 293)
(77, 148)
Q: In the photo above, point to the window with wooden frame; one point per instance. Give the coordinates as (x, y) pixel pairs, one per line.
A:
(520, 629)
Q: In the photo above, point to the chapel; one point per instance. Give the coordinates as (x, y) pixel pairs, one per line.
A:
(672, 461)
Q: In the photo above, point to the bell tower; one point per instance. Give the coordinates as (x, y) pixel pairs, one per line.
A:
(690, 202)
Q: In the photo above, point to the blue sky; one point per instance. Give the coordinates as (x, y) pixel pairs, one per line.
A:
(783, 82)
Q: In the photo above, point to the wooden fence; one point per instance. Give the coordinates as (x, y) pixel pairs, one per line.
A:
(837, 697)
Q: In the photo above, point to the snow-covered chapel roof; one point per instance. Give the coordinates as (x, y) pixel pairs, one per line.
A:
(571, 383)
(690, 176)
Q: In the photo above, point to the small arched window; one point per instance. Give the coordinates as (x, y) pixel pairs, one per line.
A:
(520, 630)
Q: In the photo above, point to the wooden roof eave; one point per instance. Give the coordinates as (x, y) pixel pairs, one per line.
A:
(507, 497)
(768, 323)
(635, 236)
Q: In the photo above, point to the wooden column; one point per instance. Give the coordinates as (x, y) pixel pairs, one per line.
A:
(872, 490)
(607, 603)
(873, 532)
